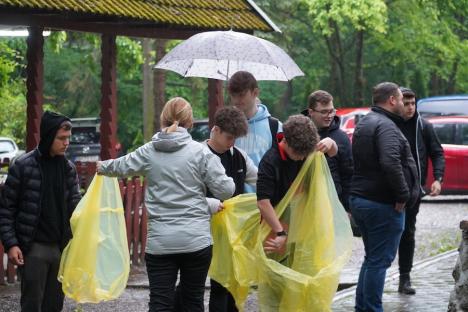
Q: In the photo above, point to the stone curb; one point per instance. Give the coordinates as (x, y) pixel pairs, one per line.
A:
(393, 274)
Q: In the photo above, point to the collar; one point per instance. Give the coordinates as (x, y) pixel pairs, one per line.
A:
(282, 152)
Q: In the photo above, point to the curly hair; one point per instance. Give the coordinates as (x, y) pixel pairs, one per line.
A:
(300, 134)
(231, 120)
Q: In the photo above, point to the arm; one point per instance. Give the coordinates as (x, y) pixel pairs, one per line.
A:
(327, 146)
(74, 195)
(8, 211)
(345, 163)
(214, 205)
(389, 150)
(135, 163)
(215, 178)
(436, 154)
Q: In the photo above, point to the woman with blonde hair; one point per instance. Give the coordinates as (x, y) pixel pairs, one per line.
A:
(178, 172)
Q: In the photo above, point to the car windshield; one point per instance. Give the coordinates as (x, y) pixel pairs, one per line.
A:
(443, 107)
(6, 147)
(84, 136)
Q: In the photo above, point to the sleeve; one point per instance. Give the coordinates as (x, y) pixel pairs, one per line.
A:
(251, 174)
(215, 178)
(9, 207)
(74, 196)
(345, 170)
(213, 205)
(435, 151)
(266, 182)
(390, 150)
(135, 163)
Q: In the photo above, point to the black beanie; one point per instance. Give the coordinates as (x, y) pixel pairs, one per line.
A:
(50, 123)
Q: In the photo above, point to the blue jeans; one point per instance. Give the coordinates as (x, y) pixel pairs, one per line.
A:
(381, 227)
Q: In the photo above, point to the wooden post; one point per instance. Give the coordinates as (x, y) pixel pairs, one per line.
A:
(108, 97)
(215, 98)
(34, 85)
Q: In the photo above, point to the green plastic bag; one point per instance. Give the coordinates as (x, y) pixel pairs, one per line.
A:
(96, 262)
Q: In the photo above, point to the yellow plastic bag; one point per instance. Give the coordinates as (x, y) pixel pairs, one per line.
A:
(306, 275)
(96, 262)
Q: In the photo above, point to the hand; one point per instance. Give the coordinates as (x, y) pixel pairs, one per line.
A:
(325, 145)
(15, 255)
(275, 244)
(99, 167)
(435, 188)
(220, 207)
(400, 207)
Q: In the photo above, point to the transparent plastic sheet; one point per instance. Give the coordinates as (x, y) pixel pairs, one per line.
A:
(95, 264)
(305, 276)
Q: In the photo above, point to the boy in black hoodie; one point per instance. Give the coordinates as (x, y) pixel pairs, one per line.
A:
(38, 198)
(424, 144)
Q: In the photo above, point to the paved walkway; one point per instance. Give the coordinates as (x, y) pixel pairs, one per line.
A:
(433, 281)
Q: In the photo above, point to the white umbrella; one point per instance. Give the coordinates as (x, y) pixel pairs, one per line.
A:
(219, 54)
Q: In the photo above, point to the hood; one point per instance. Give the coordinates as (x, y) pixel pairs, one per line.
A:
(171, 142)
(50, 123)
(262, 113)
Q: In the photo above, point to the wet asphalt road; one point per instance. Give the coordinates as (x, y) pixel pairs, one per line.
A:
(437, 231)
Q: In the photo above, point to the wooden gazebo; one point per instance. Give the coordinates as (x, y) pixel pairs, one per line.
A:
(168, 19)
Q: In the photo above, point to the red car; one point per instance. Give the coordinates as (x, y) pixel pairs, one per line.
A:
(453, 134)
(349, 116)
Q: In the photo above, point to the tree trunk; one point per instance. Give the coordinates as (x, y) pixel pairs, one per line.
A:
(285, 100)
(148, 103)
(452, 81)
(159, 84)
(359, 75)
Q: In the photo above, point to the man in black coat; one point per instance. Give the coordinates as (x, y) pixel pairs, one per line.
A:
(38, 198)
(323, 114)
(385, 181)
(424, 144)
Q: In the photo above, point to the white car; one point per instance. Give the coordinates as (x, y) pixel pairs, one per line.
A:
(8, 150)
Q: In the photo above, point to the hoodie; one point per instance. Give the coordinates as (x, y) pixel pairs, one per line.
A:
(178, 171)
(258, 139)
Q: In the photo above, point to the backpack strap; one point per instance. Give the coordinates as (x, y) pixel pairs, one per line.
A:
(274, 125)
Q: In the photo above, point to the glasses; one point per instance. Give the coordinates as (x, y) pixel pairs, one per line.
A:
(331, 112)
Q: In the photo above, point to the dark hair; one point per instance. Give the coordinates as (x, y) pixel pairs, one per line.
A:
(66, 125)
(231, 120)
(383, 91)
(319, 96)
(300, 134)
(241, 82)
(407, 92)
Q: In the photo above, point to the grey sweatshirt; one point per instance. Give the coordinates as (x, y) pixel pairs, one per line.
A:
(178, 170)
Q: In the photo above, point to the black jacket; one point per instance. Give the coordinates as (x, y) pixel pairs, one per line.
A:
(341, 165)
(384, 168)
(20, 203)
(424, 144)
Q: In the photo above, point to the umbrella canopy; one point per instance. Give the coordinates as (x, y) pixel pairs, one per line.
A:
(219, 54)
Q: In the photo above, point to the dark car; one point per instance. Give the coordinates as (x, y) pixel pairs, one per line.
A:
(453, 105)
(200, 130)
(85, 140)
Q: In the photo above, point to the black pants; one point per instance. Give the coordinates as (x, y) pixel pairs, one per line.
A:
(407, 242)
(40, 289)
(162, 274)
(221, 299)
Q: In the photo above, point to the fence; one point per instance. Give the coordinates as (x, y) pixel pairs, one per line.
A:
(132, 191)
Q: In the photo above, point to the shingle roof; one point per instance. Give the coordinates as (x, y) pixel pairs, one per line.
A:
(220, 14)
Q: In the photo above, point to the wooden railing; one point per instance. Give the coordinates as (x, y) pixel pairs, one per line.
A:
(132, 191)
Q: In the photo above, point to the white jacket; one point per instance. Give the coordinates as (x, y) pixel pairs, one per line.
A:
(178, 170)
